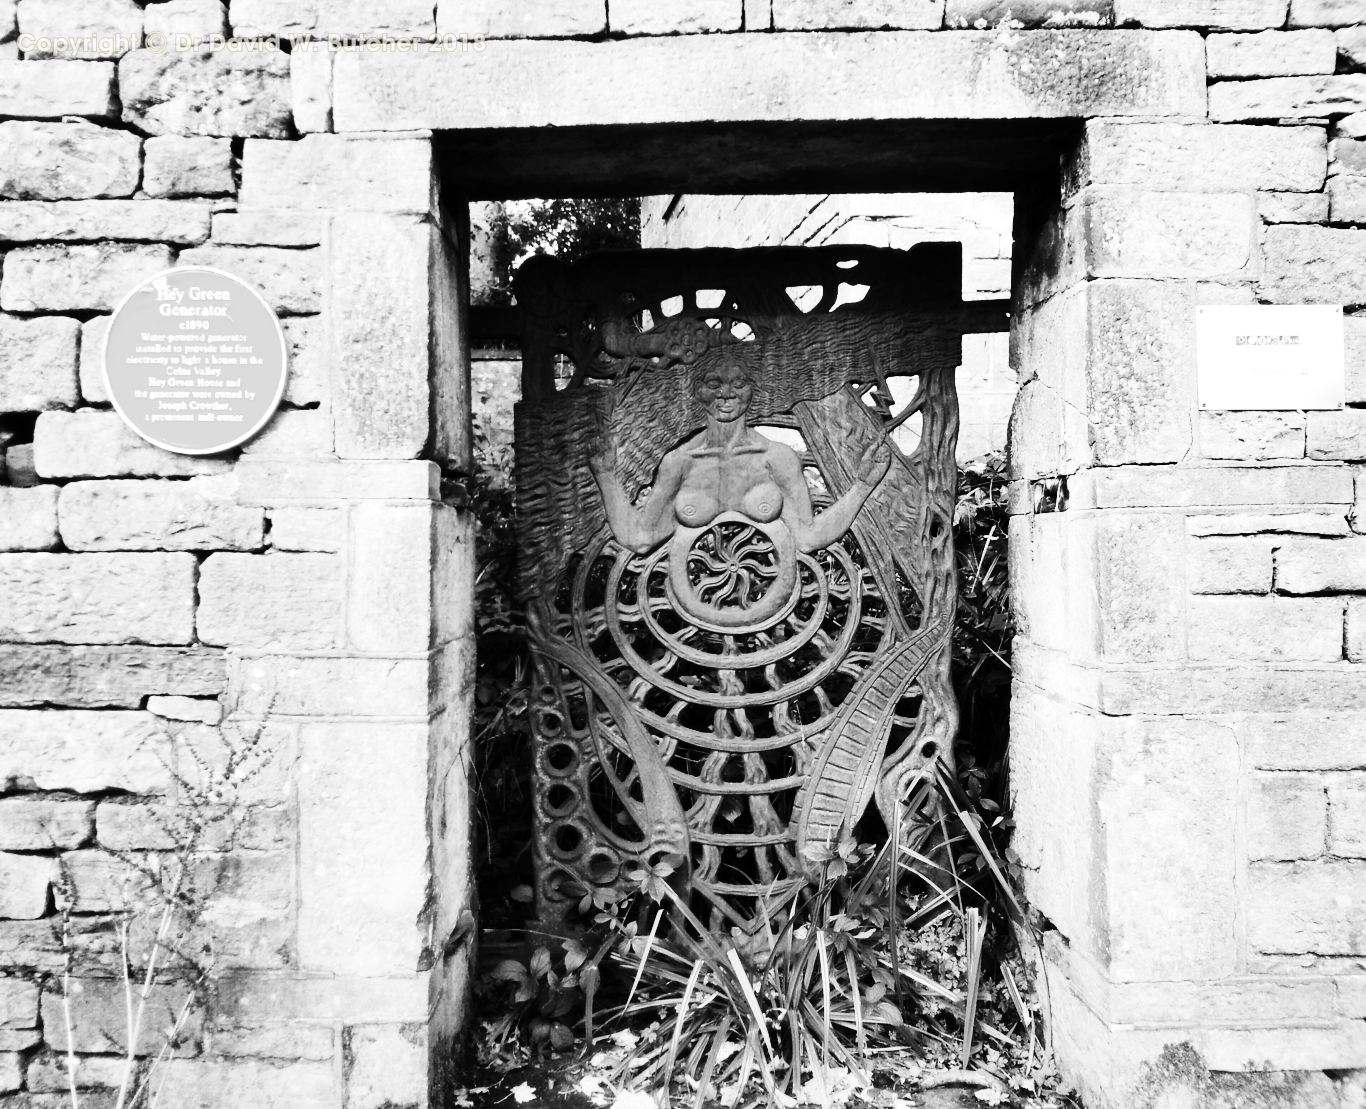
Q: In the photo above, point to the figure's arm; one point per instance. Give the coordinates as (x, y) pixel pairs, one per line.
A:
(815, 532)
(641, 529)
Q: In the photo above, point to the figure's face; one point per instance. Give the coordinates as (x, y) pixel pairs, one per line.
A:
(725, 392)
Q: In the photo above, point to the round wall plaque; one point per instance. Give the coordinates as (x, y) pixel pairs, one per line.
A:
(194, 360)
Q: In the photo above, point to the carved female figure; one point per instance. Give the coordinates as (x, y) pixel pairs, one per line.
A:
(727, 473)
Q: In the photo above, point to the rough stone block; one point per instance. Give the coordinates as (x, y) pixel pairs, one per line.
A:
(131, 220)
(1140, 604)
(1252, 435)
(30, 944)
(18, 1003)
(291, 434)
(115, 26)
(1325, 13)
(363, 879)
(39, 370)
(28, 518)
(188, 165)
(196, 18)
(87, 677)
(91, 372)
(207, 92)
(387, 1065)
(687, 17)
(1271, 628)
(307, 529)
(11, 1071)
(1347, 156)
(1217, 565)
(97, 598)
(99, 1021)
(1152, 234)
(1287, 816)
(90, 277)
(378, 174)
(1338, 435)
(389, 605)
(1274, 98)
(830, 15)
(255, 18)
(199, 1084)
(193, 515)
(1305, 740)
(1355, 641)
(983, 14)
(92, 443)
(1347, 199)
(40, 824)
(1307, 908)
(1351, 48)
(1141, 371)
(279, 600)
(280, 1040)
(198, 709)
(411, 18)
(1320, 565)
(723, 78)
(1271, 54)
(1277, 207)
(310, 81)
(1148, 772)
(274, 482)
(1347, 815)
(1224, 15)
(1314, 265)
(84, 751)
(307, 341)
(1257, 523)
(497, 20)
(95, 881)
(66, 161)
(51, 90)
(47, 1073)
(268, 227)
(24, 883)
(337, 686)
(379, 277)
(290, 280)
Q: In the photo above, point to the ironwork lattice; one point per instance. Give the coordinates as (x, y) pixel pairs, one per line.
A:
(734, 525)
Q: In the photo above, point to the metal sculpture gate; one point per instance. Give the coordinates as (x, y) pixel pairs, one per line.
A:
(736, 557)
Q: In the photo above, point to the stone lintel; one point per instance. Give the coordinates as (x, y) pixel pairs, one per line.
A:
(812, 77)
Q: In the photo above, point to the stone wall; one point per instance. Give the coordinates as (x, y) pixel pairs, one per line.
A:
(980, 221)
(1188, 733)
(1187, 740)
(251, 669)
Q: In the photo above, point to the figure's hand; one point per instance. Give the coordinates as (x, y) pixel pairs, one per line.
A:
(602, 457)
(874, 463)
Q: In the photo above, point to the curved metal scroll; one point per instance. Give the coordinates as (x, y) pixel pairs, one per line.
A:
(734, 688)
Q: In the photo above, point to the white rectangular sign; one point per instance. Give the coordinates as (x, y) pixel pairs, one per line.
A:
(1270, 357)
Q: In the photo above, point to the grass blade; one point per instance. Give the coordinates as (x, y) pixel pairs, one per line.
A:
(678, 1028)
(748, 991)
(649, 943)
(974, 933)
(718, 1041)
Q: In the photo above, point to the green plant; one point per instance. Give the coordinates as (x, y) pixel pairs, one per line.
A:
(839, 975)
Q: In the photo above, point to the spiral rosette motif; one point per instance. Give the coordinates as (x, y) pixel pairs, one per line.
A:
(737, 718)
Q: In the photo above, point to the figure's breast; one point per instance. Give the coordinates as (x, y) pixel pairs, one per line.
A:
(762, 502)
(696, 508)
